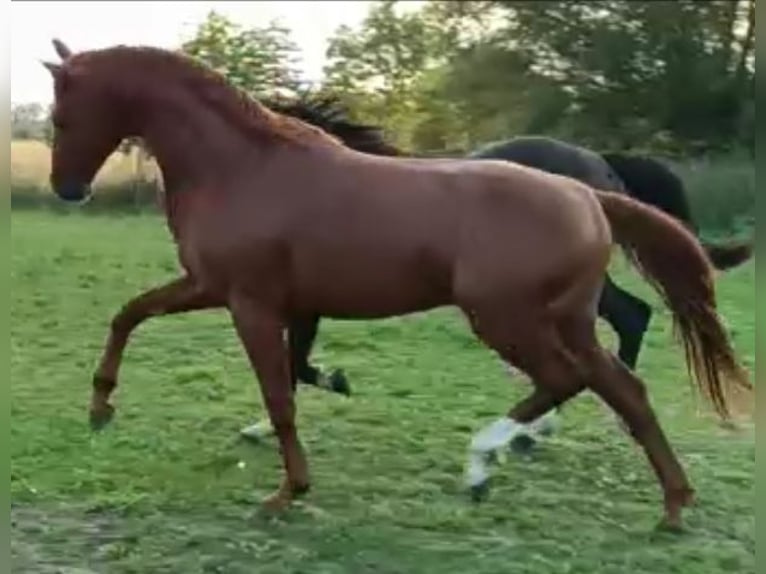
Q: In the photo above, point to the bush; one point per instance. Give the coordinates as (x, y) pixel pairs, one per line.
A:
(721, 191)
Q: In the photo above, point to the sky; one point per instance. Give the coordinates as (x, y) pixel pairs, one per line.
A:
(89, 25)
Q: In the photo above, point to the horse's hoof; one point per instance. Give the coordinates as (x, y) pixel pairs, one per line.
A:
(257, 432)
(670, 525)
(523, 444)
(276, 503)
(101, 417)
(480, 491)
(339, 382)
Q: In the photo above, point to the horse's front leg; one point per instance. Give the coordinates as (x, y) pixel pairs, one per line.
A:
(179, 296)
(301, 336)
(261, 328)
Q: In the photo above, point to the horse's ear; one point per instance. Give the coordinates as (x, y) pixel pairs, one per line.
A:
(61, 49)
(54, 69)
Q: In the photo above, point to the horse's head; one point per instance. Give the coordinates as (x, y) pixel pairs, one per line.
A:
(87, 122)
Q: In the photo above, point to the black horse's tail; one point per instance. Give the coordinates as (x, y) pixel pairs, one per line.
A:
(652, 182)
(728, 255)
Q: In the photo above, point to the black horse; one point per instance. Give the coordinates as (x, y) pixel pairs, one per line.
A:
(644, 178)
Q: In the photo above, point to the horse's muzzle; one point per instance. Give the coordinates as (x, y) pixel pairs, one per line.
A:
(73, 192)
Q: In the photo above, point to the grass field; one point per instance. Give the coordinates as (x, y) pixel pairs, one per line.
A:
(169, 487)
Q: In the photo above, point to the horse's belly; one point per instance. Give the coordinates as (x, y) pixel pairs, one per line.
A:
(370, 287)
(373, 304)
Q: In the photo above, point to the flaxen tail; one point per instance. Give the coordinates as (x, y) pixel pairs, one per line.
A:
(674, 262)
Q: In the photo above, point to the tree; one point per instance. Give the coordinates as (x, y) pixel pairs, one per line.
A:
(380, 67)
(260, 61)
(28, 121)
(632, 69)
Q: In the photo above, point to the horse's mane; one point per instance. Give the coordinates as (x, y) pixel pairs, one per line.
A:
(330, 114)
(214, 89)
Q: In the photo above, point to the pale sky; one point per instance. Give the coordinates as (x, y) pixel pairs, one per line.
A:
(88, 25)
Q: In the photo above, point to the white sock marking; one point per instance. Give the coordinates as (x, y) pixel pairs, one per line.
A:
(492, 437)
(259, 430)
(510, 370)
(495, 435)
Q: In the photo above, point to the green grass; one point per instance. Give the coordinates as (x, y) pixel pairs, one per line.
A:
(161, 490)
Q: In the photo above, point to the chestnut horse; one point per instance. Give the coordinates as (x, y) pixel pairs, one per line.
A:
(244, 185)
(641, 177)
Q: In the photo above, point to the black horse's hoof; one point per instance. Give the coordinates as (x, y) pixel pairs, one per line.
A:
(479, 492)
(99, 419)
(523, 444)
(339, 383)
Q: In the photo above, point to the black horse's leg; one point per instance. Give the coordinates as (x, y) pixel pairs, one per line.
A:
(629, 316)
(302, 334)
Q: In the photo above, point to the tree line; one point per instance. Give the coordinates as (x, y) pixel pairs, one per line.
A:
(665, 76)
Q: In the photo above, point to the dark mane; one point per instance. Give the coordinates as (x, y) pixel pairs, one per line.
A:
(330, 114)
(214, 89)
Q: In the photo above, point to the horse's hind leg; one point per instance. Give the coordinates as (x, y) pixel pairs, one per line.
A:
(504, 430)
(621, 389)
(534, 345)
(629, 317)
(626, 394)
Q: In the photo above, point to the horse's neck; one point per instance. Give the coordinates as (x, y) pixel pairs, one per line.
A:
(194, 145)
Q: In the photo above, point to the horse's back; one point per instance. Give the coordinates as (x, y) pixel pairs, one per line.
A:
(554, 156)
(505, 217)
(651, 181)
